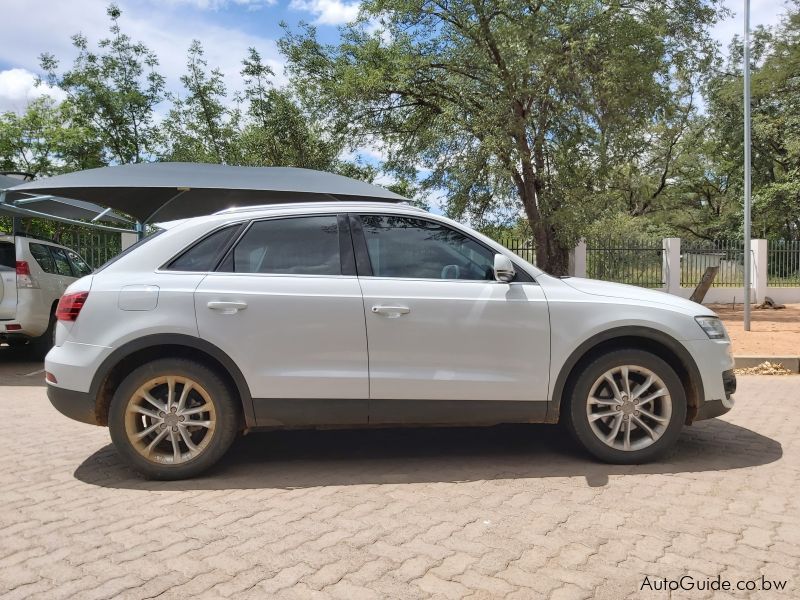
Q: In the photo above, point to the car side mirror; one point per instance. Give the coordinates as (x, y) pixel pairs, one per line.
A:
(503, 268)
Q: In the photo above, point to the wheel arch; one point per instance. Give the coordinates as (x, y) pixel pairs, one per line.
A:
(637, 337)
(151, 347)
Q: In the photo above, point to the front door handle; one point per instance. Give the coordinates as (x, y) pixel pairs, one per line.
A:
(227, 308)
(391, 311)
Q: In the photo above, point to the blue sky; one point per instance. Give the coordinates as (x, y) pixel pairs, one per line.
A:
(226, 28)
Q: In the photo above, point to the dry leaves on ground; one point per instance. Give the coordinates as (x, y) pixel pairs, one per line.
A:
(765, 368)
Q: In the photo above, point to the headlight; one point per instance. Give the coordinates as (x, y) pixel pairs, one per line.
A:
(713, 327)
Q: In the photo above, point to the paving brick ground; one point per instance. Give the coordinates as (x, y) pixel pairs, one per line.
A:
(510, 512)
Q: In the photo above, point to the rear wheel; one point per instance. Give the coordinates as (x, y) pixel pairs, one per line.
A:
(40, 346)
(173, 419)
(627, 407)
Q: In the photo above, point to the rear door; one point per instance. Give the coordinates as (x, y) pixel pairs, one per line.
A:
(8, 280)
(64, 273)
(286, 306)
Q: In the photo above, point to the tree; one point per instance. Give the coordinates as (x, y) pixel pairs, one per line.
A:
(113, 92)
(46, 140)
(201, 127)
(506, 103)
(277, 132)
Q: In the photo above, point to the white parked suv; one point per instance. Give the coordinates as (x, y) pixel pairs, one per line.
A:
(33, 274)
(354, 314)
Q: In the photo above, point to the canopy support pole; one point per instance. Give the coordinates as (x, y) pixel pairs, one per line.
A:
(180, 193)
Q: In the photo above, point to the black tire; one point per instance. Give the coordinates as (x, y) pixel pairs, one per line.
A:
(225, 404)
(40, 346)
(577, 398)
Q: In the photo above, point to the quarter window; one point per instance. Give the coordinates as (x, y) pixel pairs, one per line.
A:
(294, 246)
(8, 257)
(203, 256)
(401, 246)
(43, 257)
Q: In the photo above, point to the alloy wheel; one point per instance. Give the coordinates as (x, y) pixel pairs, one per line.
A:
(170, 419)
(629, 407)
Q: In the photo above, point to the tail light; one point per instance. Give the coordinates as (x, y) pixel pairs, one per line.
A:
(24, 278)
(70, 305)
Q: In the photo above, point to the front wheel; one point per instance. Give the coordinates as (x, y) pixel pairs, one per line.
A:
(173, 419)
(626, 407)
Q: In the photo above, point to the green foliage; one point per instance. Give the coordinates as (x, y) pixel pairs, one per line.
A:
(46, 140)
(112, 92)
(505, 104)
(200, 127)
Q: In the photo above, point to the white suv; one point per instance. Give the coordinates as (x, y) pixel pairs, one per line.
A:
(33, 274)
(352, 314)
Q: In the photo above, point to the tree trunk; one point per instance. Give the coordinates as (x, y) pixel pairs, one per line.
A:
(551, 255)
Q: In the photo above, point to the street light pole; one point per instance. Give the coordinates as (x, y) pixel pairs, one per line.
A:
(748, 264)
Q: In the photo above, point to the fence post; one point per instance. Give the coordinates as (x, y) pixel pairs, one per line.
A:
(127, 240)
(760, 275)
(579, 260)
(672, 264)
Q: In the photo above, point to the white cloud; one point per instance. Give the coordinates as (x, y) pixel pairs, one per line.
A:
(221, 4)
(164, 31)
(18, 88)
(328, 12)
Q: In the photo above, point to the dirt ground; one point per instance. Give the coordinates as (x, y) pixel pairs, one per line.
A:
(772, 332)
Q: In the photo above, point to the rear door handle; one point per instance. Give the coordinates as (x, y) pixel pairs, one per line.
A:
(227, 308)
(390, 311)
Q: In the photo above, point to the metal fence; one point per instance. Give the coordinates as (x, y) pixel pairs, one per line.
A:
(783, 263)
(95, 246)
(523, 248)
(631, 260)
(727, 255)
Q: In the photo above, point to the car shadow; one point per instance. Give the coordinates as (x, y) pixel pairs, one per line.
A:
(20, 366)
(302, 459)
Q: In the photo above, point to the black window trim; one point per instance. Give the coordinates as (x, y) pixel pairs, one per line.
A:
(365, 266)
(347, 254)
(221, 253)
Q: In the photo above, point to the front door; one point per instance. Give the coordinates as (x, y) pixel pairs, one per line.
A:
(286, 306)
(441, 329)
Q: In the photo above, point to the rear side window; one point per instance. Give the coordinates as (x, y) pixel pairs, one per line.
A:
(8, 256)
(294, 246)
(79, 266)
(62, 263)
(205, 254)
(43, 258)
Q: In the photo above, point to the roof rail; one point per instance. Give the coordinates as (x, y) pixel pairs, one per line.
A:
(334, 203)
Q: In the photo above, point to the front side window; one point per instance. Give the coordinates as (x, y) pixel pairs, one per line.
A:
(79, 265)
(62, 264)
(293, 246)
(401, 246)
(43, 257)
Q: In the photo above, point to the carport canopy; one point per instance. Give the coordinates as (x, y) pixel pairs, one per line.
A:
(167, 191)
(48, 206)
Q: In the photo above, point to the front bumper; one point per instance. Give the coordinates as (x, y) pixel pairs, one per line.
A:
(75, 405)
(714, 408)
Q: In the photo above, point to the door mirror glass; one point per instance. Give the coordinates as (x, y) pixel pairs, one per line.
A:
(503, 268)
